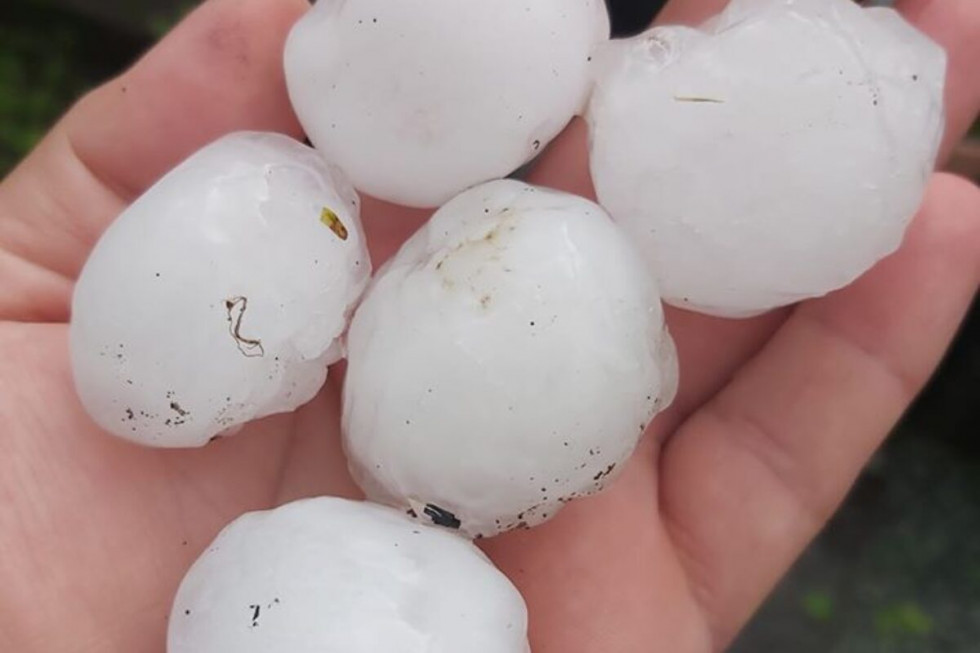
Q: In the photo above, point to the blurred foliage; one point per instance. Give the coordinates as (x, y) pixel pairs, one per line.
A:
(159, 23)
(818, 605)
(48, 57)
(36, 82)
(901, 620)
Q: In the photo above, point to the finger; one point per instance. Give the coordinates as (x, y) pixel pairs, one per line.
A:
(954, 24)
(750, 479)
(219, 71)
(387, 226)
(96, 533)
(603, 575)
(689, 12)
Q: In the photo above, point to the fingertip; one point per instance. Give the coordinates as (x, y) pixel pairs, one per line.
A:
(564, 164)
(956, 193)
(951, 217)
(387, 226)
(689, 12)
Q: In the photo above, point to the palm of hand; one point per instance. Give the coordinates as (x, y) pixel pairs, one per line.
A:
(774, 418)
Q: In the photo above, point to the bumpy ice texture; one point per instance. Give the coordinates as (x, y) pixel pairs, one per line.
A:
(504, 362)
(417, 101)
(334, 576)
(220, 295)
(774, 155)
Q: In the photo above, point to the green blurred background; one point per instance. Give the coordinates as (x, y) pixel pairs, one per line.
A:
(898, 569)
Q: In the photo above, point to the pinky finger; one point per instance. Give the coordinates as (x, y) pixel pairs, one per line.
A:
(750, 479)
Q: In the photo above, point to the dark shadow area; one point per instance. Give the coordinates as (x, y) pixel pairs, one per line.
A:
(632, 16)
(49, 56)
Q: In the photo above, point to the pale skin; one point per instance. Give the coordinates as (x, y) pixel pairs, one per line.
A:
(774, 420)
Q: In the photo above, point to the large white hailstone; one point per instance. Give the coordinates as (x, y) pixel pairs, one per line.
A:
(774, 155)
(417, 101)
(334, 576)
(504, 362)
(220, 295)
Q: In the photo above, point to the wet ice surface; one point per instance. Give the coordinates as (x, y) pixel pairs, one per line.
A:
(504, 362)
(774, 155)
(334, 576)
(418, 101)
(219, 296)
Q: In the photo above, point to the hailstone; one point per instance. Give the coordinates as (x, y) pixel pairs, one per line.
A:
(220, 295)
(334, 576)
(505, 361)
(417, 101)
(773, 155)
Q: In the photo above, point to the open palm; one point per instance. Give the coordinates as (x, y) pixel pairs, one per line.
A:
(774, 419)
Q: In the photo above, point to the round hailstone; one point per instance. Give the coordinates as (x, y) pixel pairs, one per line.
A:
(504, 362)
(417, 101)
(334, 576)
(220, 295)
(774, 155)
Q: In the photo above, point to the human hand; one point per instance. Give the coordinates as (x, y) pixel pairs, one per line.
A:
(774, 418)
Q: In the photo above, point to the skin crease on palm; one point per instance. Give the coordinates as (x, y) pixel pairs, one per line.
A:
(774, 420)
